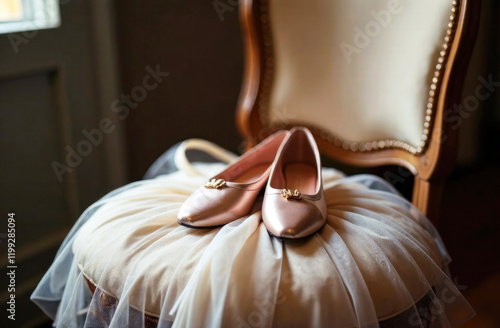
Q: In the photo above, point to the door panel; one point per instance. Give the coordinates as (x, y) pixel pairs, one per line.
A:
(54, 157)
(29, 140)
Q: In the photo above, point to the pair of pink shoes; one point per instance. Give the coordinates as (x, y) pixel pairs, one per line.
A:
(294, 203)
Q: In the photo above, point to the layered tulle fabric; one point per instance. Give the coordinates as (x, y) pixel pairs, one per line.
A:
(376, 260)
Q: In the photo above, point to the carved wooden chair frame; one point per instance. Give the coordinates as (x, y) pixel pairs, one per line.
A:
(430, 163)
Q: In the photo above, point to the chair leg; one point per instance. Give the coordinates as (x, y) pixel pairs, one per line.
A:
(427, 197)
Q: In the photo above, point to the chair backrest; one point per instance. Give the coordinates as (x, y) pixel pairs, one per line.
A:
(370, 78)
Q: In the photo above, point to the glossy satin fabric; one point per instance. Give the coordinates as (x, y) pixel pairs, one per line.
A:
(209, 207)
(289, 217)
(373, 259)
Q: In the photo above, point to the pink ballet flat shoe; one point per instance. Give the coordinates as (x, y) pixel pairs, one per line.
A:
(231, 194)
(294, 202)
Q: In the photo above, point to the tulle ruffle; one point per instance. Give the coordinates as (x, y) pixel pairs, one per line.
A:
(378, 261)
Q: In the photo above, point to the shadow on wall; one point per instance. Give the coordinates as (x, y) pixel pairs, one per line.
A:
(198, 44)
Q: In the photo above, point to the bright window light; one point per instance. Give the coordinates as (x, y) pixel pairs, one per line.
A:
(11, 10)
(28, 15)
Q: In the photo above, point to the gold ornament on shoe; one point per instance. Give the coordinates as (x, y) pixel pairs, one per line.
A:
(287, 193)
(215, 184)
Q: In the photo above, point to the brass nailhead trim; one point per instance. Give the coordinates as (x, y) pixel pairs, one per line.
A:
(266, 80)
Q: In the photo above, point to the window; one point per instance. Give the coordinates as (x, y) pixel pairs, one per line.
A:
(26, 15)
(11, 10)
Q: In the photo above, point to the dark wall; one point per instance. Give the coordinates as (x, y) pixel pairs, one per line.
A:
(489, 149)
(201, 49)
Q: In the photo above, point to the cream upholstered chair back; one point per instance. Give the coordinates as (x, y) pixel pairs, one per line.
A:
(370, 78)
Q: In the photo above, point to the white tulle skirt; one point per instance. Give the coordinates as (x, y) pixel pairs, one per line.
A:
(127, 263)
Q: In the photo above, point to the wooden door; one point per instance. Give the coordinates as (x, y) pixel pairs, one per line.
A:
(60, 143)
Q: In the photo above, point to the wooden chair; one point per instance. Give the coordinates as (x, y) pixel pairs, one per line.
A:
(371, 79)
